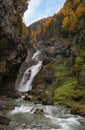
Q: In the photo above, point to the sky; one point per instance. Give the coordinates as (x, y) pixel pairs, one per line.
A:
(38, 9)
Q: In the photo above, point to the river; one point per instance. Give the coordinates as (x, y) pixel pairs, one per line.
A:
(29, 116)
(51, 117)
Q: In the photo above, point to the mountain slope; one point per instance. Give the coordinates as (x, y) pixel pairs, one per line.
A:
(69, 21)
(61, 39)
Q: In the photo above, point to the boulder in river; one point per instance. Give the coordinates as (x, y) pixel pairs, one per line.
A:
(39, 111)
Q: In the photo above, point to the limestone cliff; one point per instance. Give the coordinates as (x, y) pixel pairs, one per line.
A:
(12, 50)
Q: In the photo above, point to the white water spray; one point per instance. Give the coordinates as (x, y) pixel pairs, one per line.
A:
(27, 79)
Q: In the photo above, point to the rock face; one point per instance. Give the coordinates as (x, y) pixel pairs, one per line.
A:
(12, 51)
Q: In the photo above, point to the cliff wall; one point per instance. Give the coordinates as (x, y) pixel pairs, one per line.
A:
(12, 50)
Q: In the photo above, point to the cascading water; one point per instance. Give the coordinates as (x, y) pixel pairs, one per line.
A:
(27, 79)
(30, 116)
(26, 117)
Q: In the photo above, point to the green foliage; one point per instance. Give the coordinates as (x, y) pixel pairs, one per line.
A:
(65, 91)
(78, 66)
(19, 23)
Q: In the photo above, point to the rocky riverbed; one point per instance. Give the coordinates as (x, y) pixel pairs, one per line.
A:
(19, 114)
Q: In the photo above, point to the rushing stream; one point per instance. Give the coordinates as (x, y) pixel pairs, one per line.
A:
(53, 117)
(29, 116)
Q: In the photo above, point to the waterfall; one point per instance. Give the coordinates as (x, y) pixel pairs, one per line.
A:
(27, 79)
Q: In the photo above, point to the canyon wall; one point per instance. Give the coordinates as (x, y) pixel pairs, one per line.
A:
(12, 49)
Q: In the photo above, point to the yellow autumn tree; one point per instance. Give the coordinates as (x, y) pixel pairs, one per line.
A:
(76, 3)
(68, 5)
(80, 11)
(73, 22)
(66, 23)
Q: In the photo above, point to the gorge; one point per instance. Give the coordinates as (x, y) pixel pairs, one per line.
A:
(42, 68)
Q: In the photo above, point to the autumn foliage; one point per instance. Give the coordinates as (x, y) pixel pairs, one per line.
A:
(74, 13)
(70, 20)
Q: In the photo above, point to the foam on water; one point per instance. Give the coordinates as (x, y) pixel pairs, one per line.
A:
(36, 55)
(61, 122)
(21, 109)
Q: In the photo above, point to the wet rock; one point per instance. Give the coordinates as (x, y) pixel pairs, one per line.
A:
(47, 101)
(46, 98)
(39, 111)
(77, 97)
(29, 97)
(4, 120)
(44, 78)
(4, 105)
(42, 127)
(74, 111)
(78, 111)
(46, 60)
